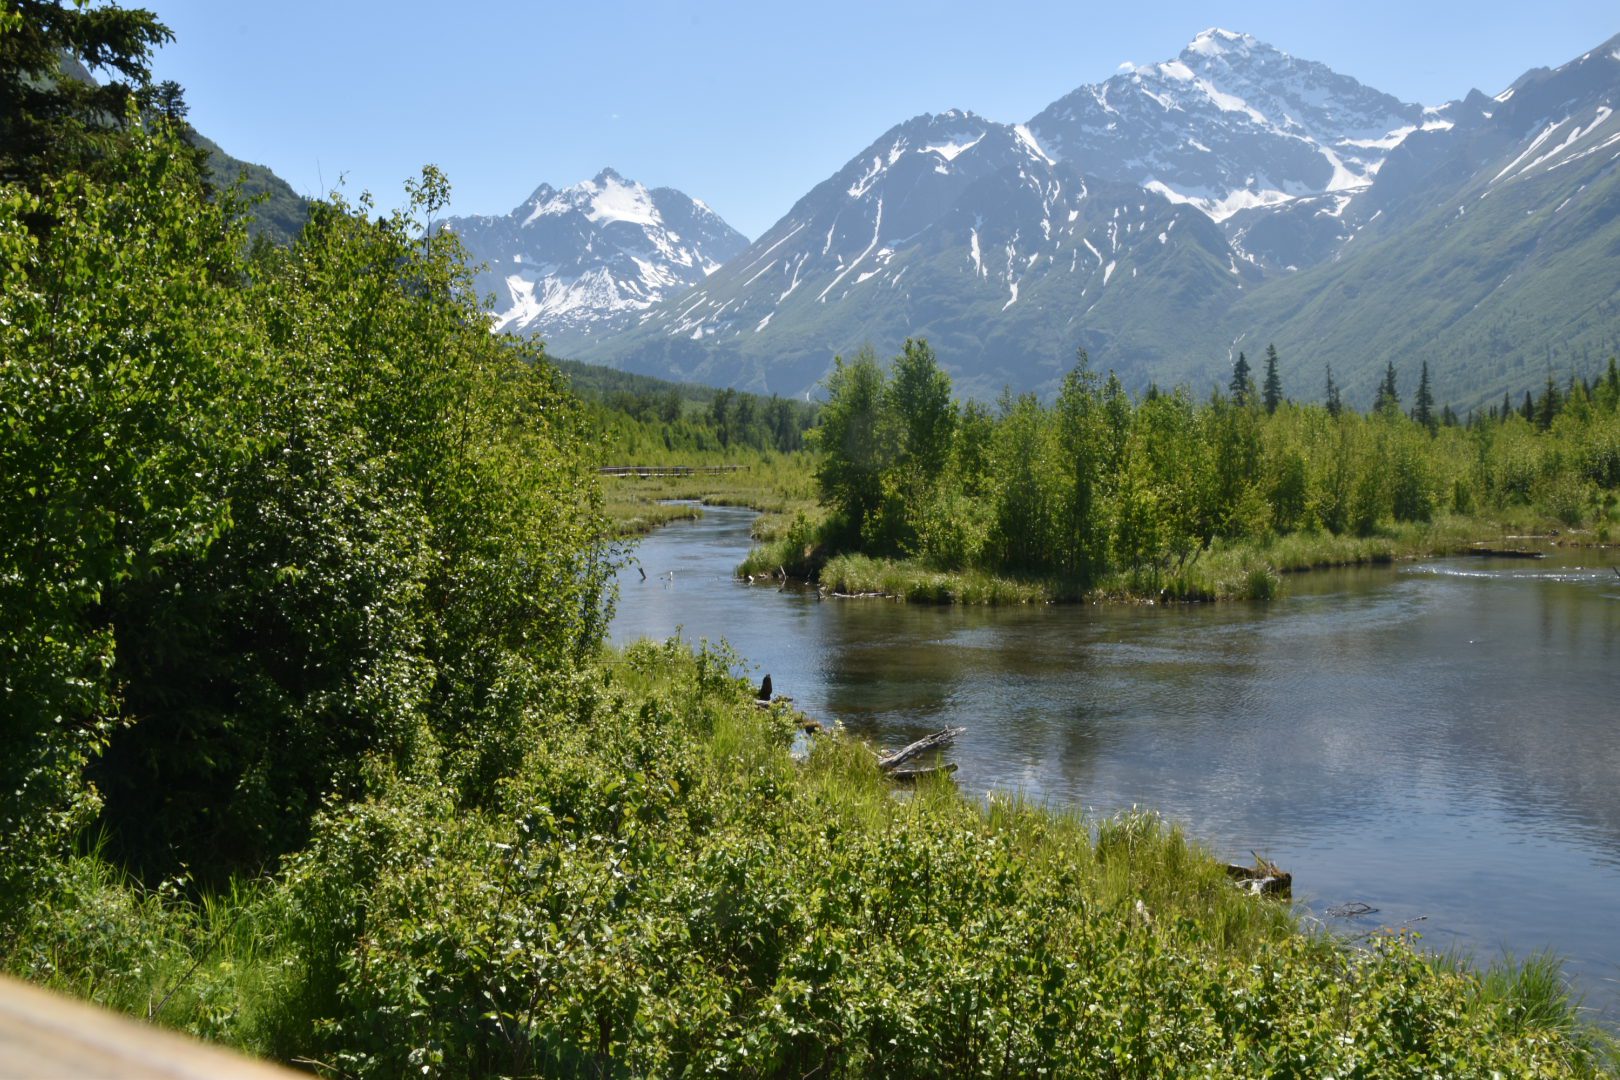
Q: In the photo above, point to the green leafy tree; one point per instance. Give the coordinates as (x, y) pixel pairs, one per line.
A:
(849, 470)
(919, 423)
(971, 449)
(293, 520)
(1026, 537)
(1088, 439)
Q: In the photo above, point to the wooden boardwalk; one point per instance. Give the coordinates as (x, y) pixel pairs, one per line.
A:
(45, 1036)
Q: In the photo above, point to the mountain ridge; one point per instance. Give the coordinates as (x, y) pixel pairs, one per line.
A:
(1173, 214)
(574, 263)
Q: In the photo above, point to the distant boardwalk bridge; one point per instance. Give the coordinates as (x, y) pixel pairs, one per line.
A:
(643, 471)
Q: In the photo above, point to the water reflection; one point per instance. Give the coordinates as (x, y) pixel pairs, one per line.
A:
(1438, 740)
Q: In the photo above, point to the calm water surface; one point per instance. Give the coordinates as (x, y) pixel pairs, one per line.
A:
(1441, 740)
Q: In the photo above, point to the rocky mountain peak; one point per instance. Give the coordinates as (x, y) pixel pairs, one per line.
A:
(571, 262)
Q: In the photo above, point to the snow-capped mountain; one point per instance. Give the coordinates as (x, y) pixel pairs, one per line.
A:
(566, 265)
(1229, 124)
(1180, 211)
(952, 227)
(1233, 125)
(1490, 248)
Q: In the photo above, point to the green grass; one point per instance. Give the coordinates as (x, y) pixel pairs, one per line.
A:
(1227, 570)
(666, 889)
(861, 575)
(777, 485)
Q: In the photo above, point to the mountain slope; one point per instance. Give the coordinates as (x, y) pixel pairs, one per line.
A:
(278, 211)
(1231, 123)
(1176, 213)
(1493, 251)
(574, 264)
(959, 229)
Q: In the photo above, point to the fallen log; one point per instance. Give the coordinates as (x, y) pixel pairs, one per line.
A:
(911, 776)
(1263, 879)
(937, 741)
(1506, 553)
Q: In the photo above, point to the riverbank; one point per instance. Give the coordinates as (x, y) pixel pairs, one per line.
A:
(665, 887)
(777, 485)
(1227, 570)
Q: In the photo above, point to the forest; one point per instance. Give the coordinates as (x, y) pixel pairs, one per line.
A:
(314, 746)
(1159, 495)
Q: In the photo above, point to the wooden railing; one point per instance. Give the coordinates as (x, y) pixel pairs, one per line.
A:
(43, 1034)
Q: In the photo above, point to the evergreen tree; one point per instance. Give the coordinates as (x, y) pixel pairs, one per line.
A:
(1242, 384)
(1335, 404)
(1549, 405)
(1423, 407)
(1507, 407)
(52, 118)
(1388, 397)
(1448, 418)
(1528, 409)
(1273, 385)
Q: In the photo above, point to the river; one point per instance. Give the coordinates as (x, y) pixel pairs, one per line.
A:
(1438, 740)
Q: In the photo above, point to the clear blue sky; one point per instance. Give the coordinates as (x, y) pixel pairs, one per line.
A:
(744, 105)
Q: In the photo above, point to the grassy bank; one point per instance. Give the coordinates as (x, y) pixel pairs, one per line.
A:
(778, 485)
(1227, 570)
(664, 889)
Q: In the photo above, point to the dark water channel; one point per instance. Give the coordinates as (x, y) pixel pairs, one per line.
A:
(1438, 740)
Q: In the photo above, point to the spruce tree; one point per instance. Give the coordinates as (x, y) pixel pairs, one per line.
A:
(1507, 407)
(1242, 384)
(1423, 407)
(1528, 409)
(1335, 404)
(1549, 405)
(53, 119)
(1273, 386)
(1388, 397)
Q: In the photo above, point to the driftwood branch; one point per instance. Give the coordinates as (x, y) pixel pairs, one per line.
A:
(938, 740)
(911, 776)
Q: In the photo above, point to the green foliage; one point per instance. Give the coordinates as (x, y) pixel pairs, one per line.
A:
(54, 119)
(1099, 491)
(269, 522)
(851, 438)
(301, 572)
(643, 419)
(663, 889)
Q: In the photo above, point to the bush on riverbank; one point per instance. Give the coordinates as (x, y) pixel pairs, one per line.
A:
(660, 888)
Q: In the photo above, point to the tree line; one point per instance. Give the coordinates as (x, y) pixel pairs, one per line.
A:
(1101, 481)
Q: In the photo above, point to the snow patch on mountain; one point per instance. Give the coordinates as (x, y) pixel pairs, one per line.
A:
(1229, 125)
(591, 256)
